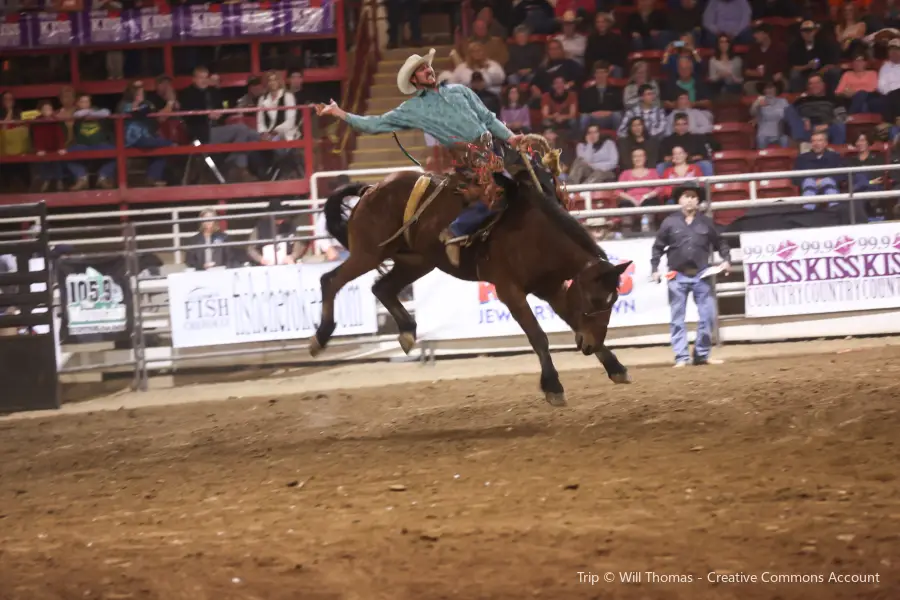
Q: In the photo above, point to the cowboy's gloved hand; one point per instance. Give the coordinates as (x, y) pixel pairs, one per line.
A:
(514, 140)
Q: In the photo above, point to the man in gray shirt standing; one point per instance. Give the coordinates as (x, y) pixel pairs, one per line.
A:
(688, 237)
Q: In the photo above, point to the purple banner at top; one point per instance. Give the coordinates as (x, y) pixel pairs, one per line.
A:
(205, 22)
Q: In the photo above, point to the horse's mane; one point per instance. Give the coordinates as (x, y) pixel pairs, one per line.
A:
(554, 211)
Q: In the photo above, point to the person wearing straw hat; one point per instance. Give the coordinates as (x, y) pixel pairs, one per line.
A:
(450, 113)
(687, 237)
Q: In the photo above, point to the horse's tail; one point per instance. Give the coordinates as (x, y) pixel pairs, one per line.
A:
(335, 221)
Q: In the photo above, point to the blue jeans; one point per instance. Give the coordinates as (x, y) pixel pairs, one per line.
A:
(867, 102)
(50, 171)
(78, 170)
(826, 187)
(611, 122)
(470, 219)
(157, 166)
(679, 289)
(837, 132)
(764, 141)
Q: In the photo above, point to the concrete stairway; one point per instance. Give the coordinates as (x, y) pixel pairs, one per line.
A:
(377, 151)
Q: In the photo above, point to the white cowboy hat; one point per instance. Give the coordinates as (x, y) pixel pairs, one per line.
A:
(409, 67)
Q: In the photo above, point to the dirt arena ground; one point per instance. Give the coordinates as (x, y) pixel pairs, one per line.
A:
(471, 489)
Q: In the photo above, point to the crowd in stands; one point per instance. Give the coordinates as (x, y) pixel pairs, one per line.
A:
(657, 89)
(72, 123)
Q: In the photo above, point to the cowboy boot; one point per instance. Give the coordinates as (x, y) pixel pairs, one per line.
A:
(452, 249)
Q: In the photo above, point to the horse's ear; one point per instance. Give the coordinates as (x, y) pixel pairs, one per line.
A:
(622, 267)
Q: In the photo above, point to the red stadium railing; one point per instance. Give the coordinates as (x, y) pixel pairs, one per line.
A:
(124, 194)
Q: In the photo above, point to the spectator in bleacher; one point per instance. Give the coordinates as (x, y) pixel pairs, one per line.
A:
(14, 138)
(850, 31)
(600, 104)
(399, 13)
(67, 100)
(699, 121)
(809, 55)
(268, 231)
(694, 144)
(213, 256)
(687, 17)
(638, 196)
(648, 27)
(91, 132)
(819, 157)
(730, 18)
(255, 90)
(582, 8)
(859, 87)
(726, 70)
(680, 169)
(295, 86)
(536, 14)
(515, 114)
(607, 45)
(494, 47)
(596, 159)
(889, 74)
(555, 65)
(816, 111)
(574, 43)
(867, 181)
(652, 116)
(687, 82)
(141, 130)
(677, 49)
(637, 138)
(495, 27)
(210, 129)
(273, 124)
(639, 77)
(48, 137)
(768, 109)
(559, 108)
(765, 60)
(489, 99)
(524, 57)
(476, 60)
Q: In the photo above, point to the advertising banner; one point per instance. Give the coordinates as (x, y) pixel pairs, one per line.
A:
(260, 304)
(13, 33)
(448, 308)
(96, 300)
(823, 270)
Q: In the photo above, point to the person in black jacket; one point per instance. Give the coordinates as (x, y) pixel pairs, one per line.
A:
(212, 129)
(213, 256)
(608, 45)
(687, 237)
(600, 104)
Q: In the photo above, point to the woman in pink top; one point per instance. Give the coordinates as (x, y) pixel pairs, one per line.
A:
(859, 86)
(638, 196)
(680, 169)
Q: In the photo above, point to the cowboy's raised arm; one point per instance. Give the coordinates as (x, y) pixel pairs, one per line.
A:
(490, 120)
(393, 120)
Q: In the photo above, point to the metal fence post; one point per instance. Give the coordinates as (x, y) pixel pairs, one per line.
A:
(138, 343)
(851, 201)
(176, 236)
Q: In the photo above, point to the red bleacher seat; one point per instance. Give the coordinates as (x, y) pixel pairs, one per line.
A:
(734, 136)
(733, 161)
(730, 112)
(862, 123)
(604, 199)
(775, 159)
(775, 188)
(723, 192)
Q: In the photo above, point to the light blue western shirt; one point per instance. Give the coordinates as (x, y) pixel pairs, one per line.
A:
(451, 113)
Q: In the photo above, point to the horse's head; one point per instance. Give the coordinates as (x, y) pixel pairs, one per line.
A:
(591, 297)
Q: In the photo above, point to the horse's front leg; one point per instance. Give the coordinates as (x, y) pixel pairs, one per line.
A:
(616, 371)
(517, 303)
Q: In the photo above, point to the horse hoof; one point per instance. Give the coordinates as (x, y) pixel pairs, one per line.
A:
(555, 398)
(407, 341)
(620, 378)
(315, 348)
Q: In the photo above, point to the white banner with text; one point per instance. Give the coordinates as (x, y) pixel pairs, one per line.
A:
(822, 270)
(261, 304)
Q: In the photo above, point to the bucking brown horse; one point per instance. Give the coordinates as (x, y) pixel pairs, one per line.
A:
(535, 247)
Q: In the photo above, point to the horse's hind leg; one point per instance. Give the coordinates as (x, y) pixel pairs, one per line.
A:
(331, 283)
(517, 303)
(388, 288)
